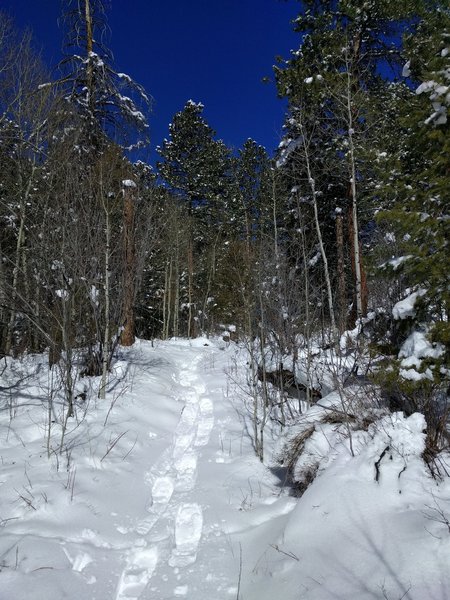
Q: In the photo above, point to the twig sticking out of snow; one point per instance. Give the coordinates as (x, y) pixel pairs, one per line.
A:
(377, 464)
(290, 554)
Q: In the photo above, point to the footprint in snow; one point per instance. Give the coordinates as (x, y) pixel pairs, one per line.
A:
(188, 530)
(206, 422)
(80, 561)
(182, 443)
(162, 491)
(186, 468)
(135, 577)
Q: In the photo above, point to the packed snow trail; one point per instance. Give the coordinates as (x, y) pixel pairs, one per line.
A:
(187, 546)
(174, 524)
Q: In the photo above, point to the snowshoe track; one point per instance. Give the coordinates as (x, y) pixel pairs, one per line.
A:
(174, 526)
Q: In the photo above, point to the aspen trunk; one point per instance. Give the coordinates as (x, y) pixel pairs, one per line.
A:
(358, 271)
(164, 304)
(88, 21)
(107, 334)
(312, 185)
(176, 300)
(190, 329)
(354, 239)
(169, 298)
(20, 259)
(342, 291)
(307, 331)
(274, 218)
(128, 337)
(2, 302)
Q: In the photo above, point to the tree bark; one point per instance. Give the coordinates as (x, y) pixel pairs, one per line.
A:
(191, 322)
(107, 333)
(360, 291)
(19, 258)
(127, 337)
(342, 291)
(312, 185)
(89, 50)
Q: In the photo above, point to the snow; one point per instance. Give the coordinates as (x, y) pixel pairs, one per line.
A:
(417, 345)
(198, 105)
(406, 72)
(349, 337)
(157, 493)
(287, 147)
(414, 375)
(128, 183)
(416, 348)
(63, 294)
(397, 262)
(353, 536)
(314, 260)
(439, 94)
(405, 308)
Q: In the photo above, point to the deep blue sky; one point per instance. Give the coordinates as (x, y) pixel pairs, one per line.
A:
(212, 51)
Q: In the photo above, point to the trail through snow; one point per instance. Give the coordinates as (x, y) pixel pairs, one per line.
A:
(174, 526)
(158, 494)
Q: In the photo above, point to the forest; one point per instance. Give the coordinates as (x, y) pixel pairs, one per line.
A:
(326, 259)
(348, 219)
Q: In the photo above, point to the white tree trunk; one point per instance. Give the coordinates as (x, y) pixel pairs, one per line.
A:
(351, 146)
(19, 258)
(312, 185)
(107, 333)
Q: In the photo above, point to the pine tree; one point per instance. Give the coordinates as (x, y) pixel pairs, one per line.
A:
(250, 214)
(195, 167)
(111, 104)
(420, 220)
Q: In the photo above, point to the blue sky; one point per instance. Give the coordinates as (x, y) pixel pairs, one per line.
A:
(210, 51)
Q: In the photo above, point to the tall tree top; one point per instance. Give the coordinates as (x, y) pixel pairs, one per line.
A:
(112, 104)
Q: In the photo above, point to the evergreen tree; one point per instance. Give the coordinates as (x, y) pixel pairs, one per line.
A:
(111, 104)
(194, 165)
(420, 220)
(249, 207)
(195, 168)
(249, 226)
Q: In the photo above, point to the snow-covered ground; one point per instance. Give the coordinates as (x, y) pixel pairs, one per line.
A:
(167, 499)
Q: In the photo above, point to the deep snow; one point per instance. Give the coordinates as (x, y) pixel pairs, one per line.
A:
(167, 500)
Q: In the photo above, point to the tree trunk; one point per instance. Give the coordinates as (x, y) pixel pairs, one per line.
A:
(342, 291)
(190, 328)
(176, 300)
(360, 291)
(107, 334)
(312, 185)
(3, 313)
(169, 297)
(359, 274)
(19, 259)
(89, 50)
(128, 337)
